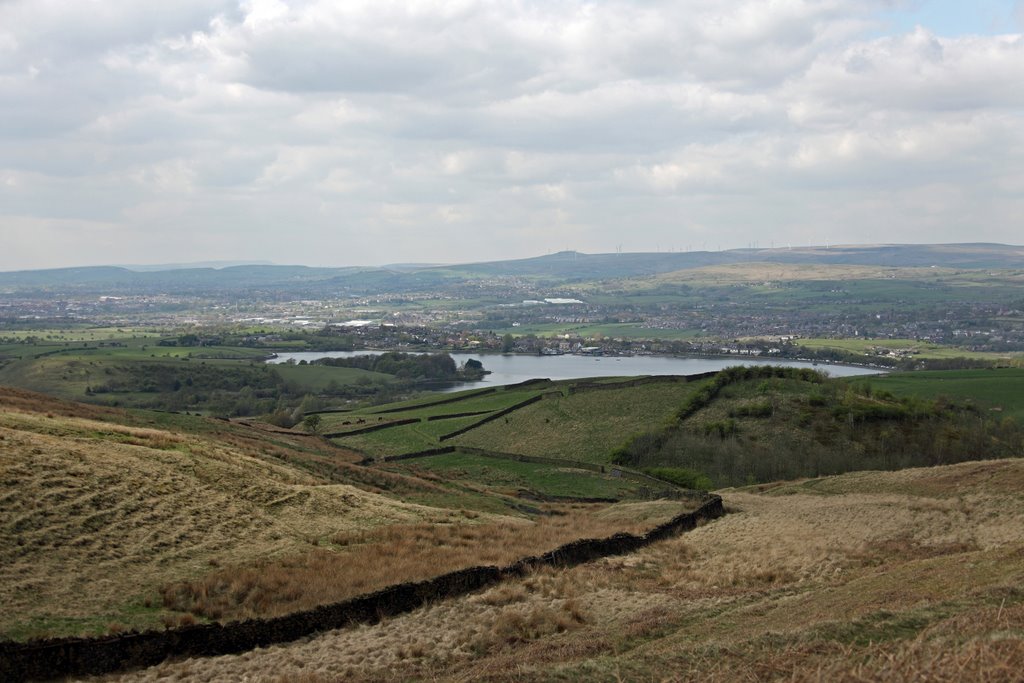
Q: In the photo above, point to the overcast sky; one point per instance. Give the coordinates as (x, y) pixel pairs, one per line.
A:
(346, 132)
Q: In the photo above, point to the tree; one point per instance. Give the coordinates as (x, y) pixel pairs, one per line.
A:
(312, 423)
(507, 342)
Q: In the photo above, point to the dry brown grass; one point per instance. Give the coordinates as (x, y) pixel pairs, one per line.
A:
(95, 516)
(408, 647)
(368, 560)
(110, 523)
(920, 580)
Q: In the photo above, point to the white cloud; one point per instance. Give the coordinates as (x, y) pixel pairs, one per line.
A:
(376, 127)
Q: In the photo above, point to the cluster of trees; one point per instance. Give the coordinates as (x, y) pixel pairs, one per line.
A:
(230, 390)
(238, 388)
(786, 432)
(411, 366)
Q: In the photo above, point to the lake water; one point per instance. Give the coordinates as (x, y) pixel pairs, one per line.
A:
(513, 368)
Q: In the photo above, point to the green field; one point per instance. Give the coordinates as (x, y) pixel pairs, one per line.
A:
(510, 476)
(419, 436)
(69, 373)
(586, 426)
(919, 348)
(79, 334)
(999, 390)
(425, 400)
(473, 402)
(768, 424)
(317, 378)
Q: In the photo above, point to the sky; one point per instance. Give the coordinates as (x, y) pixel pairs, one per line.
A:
(432, 131)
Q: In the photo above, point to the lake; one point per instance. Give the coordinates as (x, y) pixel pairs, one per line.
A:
(513, 368)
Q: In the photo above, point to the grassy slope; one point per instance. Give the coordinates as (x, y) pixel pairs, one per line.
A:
(116, 519)
(509, 476)
(410, 438)
(1002, 388)
(96, 514)
(585, 426)
(903, 576)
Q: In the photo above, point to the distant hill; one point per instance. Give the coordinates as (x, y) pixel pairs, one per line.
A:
(104, 278)
(196, 264)
(578, 266)
(566, 266)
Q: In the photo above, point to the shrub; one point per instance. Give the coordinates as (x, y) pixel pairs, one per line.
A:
(761, 409)
(721, 428)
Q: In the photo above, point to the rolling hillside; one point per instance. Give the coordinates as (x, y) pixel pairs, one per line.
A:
(116, 520)
(100, 510)
(744, 425)
(901, 576)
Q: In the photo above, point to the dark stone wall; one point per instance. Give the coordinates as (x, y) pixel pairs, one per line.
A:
(456, 399)
(582, 387)
(490, 418)
(372, 428)
(452, 416)
(540, 460)
(62, 657)
(529, 383)
(419, 454)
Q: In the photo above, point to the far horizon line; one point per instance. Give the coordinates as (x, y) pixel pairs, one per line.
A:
(225, 264)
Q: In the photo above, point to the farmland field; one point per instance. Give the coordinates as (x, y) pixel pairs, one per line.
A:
(1000, 389)
(509, 476)
(920, 349)
(585, 426)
